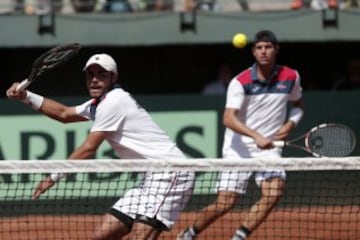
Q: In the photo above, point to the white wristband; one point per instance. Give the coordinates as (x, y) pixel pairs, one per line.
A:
(33, 100)
(57, 176)
(296, 114)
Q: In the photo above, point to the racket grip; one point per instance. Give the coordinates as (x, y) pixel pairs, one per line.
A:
(279, 143)
(23, 85)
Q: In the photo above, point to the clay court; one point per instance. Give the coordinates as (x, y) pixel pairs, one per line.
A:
(331, 223)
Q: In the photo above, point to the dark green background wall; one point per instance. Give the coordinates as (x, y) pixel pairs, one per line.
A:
(178, 69)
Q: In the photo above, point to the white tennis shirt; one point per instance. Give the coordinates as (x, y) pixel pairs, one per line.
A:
(262, 106)
(132, 132)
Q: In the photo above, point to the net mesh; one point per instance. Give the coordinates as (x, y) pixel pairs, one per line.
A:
(321, 198)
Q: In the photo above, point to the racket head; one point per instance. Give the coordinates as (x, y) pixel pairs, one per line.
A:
(330, 140)
(53, 58)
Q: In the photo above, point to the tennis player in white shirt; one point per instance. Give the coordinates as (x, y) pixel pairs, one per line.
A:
(153, 206)
(255, 115)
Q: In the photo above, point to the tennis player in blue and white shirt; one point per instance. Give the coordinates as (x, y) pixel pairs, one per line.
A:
(153, 206)
(255, 115)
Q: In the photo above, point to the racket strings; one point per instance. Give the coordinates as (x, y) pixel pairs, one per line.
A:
(332, 141)
(53, 58)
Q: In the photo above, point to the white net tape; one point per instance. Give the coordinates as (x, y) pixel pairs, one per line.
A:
(161, 165)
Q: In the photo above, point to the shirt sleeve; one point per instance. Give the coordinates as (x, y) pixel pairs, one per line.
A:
(84, 109)
(235, 95)
(296, 92)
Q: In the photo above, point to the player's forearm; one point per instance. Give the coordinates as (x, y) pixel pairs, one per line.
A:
(243, 130)
(296, 112)
(78, 154)
(295, 115)
(51, 108)
(285, 130)
(83, 153)
(54, 110)
(231, 121)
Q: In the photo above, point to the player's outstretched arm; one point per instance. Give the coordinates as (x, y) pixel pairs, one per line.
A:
(59, 111)
(50, 108)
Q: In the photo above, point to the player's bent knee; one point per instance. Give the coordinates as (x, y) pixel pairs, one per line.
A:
(114, 225)
(226, 201)
(123, 218)
(153, 222)
(273, 196)
(273, 188)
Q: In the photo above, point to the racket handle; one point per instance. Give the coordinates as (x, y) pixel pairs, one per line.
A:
(23, 85)
(279, 143)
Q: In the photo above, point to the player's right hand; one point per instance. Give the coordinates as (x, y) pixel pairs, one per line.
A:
(42, 187)
(264, 143)
(11, 93)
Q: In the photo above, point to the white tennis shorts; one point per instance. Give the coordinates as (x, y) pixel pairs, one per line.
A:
(238, 181)
(160, 195)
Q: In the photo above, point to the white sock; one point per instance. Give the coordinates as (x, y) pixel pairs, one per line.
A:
(239, 235)
(192, 231)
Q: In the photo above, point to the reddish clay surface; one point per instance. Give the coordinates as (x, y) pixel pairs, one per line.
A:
(307, 223)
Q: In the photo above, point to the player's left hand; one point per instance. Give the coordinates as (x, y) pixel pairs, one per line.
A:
(284, 131)
(42, 187)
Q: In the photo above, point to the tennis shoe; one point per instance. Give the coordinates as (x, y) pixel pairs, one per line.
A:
(185, 235)
(236, 237)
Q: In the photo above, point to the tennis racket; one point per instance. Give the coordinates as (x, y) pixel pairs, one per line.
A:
(48, 61)
(324, 140)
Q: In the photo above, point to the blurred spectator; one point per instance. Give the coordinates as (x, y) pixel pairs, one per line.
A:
(349, 4)
(138, 5)
(160, 5)
(333, 4)
(219, 87)
(18, 5)
(207, 5)
(151, 5)
(351, 80)
(7, 6)
(215, 5)
(67, 7)
(84, 5)
(323, 4)
(115, 6)
(263, 5)
(244, 5)
(298, 4)
(184, 5)
(233, 5)
(39, 6)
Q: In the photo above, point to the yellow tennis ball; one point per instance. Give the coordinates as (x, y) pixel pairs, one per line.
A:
(239, 40)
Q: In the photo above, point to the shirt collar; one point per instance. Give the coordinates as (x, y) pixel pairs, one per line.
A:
(255, 78)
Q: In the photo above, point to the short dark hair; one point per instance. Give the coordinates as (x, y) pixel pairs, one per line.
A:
(265, 36)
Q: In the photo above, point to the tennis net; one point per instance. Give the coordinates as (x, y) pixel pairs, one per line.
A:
(321, 198)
